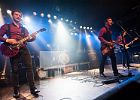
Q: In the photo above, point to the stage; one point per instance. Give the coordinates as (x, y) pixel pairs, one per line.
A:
(77, 85)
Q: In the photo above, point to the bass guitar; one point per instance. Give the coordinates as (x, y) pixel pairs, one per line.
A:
(11, 50)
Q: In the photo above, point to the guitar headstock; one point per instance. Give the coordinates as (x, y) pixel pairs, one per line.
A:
(42, 29)
(136, 38)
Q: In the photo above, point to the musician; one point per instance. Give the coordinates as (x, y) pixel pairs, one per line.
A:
(123, 47)
(15, 31)
(105, 36)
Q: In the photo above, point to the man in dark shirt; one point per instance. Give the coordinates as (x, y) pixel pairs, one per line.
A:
(107, 49)
(15, 32)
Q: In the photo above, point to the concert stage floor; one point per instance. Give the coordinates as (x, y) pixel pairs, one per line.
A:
(81, 85)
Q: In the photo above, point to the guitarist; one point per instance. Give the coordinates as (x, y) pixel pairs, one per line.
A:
(105, 36)
(15, 31)
(123, 47)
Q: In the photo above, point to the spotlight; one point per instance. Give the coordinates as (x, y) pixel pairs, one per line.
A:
(27, 19)
(42, 14)
(61, 19)
(55, 17)
(49, 16)
(75, 34)
(34, 13)
(87, 28)
(71, 33)
(74, 28)
(71, 21)
(67, 20)
(50, 21)
(84, 27)
(81, 26)
(9, 11)
(90, 28)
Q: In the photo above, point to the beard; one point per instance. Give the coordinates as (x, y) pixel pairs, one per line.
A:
(17, 20)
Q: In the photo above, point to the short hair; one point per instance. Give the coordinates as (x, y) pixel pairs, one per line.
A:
(107, 19)
(16, 10)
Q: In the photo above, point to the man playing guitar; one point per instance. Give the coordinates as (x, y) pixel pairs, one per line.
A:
(15, 31)
(107, 48)
(121, 40)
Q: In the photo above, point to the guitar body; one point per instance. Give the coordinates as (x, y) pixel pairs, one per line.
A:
(9, 50)
(107, 50)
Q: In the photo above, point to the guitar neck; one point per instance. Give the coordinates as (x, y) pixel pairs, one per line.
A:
(28, 37)
(131, 42)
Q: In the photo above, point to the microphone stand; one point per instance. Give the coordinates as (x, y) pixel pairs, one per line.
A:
(125, 50)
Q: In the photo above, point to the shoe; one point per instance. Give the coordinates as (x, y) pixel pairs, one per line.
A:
(16, 93)
(34, 91)
(118, 75)
(102, 75)
(129, 66)
(124, 66)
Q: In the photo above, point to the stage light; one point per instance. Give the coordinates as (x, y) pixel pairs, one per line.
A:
(87, 28)
(48, 45)
(50, 21)
(71, 33)
(42, 14)
(90, 28)
(9, 11)
(55, 17)
(49, 15)
(62, 34)
(67, 20)
(61, 19)
(34, 13)
(71, 21)
(136, 55)
(75, 34)
(91, 31)
(74, 28)
(84, 27)
(27, 19)
(81, 26)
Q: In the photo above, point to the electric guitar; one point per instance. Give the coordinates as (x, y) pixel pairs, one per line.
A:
(11, 50)
(128, 44)
(108, 49)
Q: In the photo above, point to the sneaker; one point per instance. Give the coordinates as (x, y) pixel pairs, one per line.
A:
(34, 91)
(102, 75)
(16, 93)
(118, 75)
